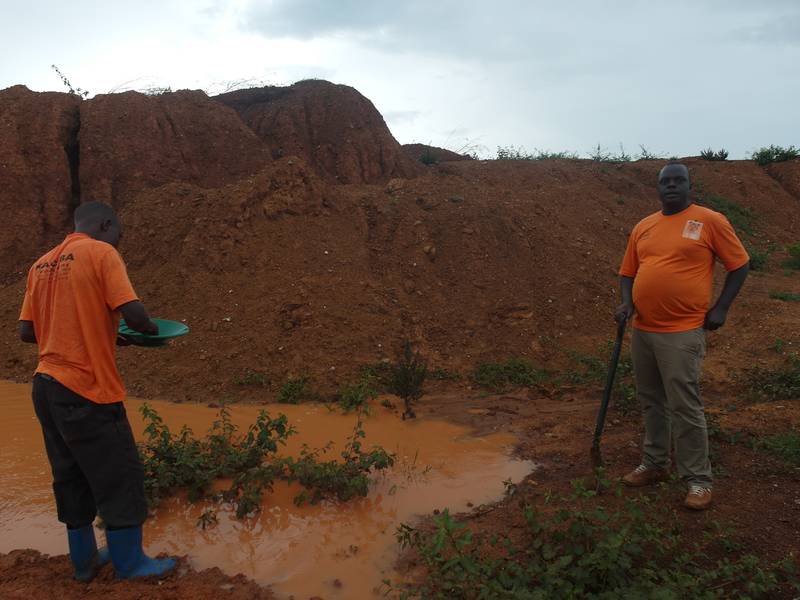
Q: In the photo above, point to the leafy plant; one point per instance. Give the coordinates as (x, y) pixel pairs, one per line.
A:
(408, 378)
(356, 395)
(501, 376)
(583, 550)
(770, 154)
(710, 154)
(295, 389)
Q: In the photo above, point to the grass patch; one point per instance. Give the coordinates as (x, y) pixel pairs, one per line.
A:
(710, 154)
(514, 372)
(582, 550)
(251, 379)
(444, 375)
(784, 445)
(758, 258)
(794, 257)
(296, 389)
(782, 383)
(515, 153)
(741, 218)
(771, 154)
(593, 369)
(785, 296)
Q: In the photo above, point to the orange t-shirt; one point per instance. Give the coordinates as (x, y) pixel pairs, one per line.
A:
(72, 295)
(671, 258)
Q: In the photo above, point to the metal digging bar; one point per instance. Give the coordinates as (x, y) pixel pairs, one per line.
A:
(597, 459)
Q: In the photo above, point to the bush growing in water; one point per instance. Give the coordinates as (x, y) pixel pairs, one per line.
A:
(586, 551)
(181, 461)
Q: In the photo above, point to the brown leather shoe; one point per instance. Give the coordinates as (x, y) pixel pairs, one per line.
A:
(643, 475)
(698, 498)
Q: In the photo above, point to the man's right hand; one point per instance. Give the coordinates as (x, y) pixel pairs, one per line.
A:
(151, 329)
(624, 312)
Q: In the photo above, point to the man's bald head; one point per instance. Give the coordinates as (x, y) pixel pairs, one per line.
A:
(99, 221)
(674, 188)
(674, 166)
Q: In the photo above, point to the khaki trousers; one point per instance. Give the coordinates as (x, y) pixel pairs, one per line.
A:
(667, 367)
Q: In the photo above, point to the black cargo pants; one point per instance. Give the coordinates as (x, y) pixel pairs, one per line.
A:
(95, 463)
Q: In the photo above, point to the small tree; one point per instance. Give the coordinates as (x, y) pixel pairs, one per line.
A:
(408, 377)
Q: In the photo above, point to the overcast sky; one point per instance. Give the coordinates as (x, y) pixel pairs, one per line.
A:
(675, 76)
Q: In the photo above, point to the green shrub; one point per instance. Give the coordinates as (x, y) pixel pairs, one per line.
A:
(357, 395)
(742, 218)
(514, 372)
(772, 154)
(645, 154)
(408, 378)
(785, 296)
(710, 154)
(295, 389)
(586, 551)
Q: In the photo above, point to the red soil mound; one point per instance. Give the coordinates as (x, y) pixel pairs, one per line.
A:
(37, 133)
(282, 274)
(335, 129)
(131, 141)
(432, 154)
(788, 175)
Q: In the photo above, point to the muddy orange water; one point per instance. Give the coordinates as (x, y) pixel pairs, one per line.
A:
(334, 550)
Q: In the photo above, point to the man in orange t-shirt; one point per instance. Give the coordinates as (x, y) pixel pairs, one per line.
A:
(666, 282)
(73, 300)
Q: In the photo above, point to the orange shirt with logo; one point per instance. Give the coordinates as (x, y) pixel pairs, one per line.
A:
(671, 258)
(71, 297)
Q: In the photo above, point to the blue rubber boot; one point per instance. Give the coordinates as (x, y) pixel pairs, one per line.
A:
(86, 558)
(125, 546)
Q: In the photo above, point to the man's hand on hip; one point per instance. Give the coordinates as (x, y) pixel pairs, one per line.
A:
(624, 312)
(715, 318)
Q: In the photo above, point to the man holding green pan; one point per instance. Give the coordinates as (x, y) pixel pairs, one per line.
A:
(73, 300)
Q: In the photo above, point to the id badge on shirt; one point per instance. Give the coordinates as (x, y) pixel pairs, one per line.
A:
(692, 229)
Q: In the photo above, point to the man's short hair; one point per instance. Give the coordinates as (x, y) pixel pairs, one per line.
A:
(94, 211)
